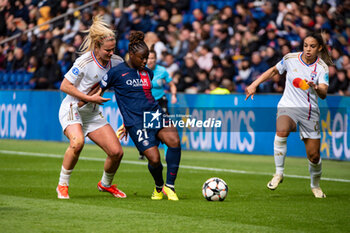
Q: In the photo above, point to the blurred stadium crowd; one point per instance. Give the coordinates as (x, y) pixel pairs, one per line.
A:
(203, 44)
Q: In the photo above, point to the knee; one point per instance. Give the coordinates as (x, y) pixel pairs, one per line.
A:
(174, 141)
(116, 154)
(76, 144)
(282, 133)
(154, 161)
(314, 157)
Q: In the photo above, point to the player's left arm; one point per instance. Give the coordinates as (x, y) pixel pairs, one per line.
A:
(321, 89)
(173, 89)
(321, 86)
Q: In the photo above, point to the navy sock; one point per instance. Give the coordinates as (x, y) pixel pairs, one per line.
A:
(157, 173)
(172, 159)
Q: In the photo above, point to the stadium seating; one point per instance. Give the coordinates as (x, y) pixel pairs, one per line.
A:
(203, 4)
(1, 77)
(123, 46)
(20, 80)
(26, 78)
(5, 81)
(15, 80)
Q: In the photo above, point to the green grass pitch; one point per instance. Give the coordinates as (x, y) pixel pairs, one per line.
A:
(28, 200)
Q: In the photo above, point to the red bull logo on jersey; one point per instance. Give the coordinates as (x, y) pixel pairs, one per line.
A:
(138, 83)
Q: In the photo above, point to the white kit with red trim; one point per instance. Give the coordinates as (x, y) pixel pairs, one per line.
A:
(87, 71)
(305, 102)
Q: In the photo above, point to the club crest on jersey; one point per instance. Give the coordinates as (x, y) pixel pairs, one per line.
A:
(75, 71)
(105, 77)
(313, 75)
(137, 82)
(145, 143)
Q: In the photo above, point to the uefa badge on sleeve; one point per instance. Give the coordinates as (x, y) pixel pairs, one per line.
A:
(152, 120)
(75, 71)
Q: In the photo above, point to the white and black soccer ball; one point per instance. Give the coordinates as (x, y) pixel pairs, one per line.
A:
(215, 189)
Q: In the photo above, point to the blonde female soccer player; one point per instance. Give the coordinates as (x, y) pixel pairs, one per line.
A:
(77, 122)
(307, 79)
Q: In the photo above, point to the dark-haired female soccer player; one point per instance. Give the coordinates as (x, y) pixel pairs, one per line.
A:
(160, 77)
(307, 79)
(131, 82)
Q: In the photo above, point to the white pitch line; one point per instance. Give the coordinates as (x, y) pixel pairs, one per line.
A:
(181, 166)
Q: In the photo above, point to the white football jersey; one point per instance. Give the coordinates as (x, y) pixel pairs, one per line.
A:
(86, 72)
(305, 102)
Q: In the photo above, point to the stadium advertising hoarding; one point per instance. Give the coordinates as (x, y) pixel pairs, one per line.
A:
(224, 123)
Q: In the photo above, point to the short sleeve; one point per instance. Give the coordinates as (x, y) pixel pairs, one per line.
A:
(281, 65)
(324, 77)
(166, 76)
(75, 74)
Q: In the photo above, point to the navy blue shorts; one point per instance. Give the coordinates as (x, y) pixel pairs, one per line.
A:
(143, 138)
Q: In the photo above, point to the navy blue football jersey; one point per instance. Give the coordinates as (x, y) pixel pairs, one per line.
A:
(132, 91)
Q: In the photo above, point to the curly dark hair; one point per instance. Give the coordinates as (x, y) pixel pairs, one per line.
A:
(137, 42)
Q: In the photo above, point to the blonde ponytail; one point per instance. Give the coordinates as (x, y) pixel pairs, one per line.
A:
(98, 33)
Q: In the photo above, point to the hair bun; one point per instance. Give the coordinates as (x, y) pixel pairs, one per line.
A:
(136, 37)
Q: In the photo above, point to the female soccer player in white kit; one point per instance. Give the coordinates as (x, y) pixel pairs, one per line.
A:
(306, 80)
(77, 122)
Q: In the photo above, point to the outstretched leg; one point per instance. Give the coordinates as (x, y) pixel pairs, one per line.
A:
(284, 126)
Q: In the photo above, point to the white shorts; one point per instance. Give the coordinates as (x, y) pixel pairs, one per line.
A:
(307, 128)
(88, 116)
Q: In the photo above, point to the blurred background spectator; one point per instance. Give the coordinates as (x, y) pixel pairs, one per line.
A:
(204, 44)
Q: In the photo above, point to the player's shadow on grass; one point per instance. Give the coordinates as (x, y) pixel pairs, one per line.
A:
(94, 196)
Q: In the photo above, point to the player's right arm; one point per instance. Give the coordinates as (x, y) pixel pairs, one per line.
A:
(251, 89)
(70, 89)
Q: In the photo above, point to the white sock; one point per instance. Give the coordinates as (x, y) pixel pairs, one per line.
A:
(170, 186)
(107, 179)
(280, 150)
(64, 176)
(315, 173)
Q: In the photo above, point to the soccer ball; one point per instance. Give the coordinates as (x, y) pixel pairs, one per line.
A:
(215, 189)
